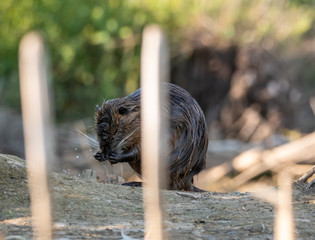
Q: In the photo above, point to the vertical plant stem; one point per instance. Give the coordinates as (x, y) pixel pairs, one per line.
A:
(154, 70)
(37, 132)
(284, 221)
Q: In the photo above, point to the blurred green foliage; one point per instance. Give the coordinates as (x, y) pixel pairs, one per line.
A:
(94, 45)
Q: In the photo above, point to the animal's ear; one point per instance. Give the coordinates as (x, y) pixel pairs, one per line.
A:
(135, 108)
(97, 108)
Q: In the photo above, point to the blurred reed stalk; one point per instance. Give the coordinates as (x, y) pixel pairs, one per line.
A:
(284, 221)
(281, 199)
(154, 70)
(38, 135)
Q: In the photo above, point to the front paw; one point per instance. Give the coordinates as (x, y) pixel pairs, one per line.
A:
(99, 157)
(114, 158)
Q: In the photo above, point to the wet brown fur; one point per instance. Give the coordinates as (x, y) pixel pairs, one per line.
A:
(118, 130)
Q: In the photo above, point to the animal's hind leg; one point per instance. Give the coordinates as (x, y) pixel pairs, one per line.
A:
(133, 184)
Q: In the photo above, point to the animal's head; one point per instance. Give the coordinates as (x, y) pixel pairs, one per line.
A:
(118, 124)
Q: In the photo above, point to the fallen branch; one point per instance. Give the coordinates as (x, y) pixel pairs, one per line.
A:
(307, 175)
(256, 161)
(276, 159)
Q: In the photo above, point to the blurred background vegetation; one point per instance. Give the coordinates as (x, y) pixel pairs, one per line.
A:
(94, 46)
(249, 64)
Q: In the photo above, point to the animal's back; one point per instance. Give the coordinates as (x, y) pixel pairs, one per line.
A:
(188, 138)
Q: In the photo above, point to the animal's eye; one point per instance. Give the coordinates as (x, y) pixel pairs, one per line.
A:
(122, 110)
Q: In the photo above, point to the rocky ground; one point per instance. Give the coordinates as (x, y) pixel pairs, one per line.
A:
(91, 210)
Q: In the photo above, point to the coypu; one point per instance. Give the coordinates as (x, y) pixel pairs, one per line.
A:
(118, 130)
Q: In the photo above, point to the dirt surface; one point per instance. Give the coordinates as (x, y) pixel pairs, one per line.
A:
(92, 210)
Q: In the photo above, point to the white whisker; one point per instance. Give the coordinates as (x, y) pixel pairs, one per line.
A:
(121, 143)
(86, 139)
